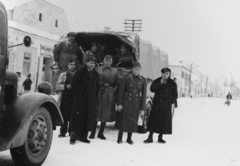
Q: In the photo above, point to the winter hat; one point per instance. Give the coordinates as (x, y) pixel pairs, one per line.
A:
(136, 64)
(29, 75)
(165, 69)
(107, 57)
(71, 34)
(91, 58)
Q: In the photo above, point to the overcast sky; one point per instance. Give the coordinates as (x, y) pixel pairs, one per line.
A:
(203, 32)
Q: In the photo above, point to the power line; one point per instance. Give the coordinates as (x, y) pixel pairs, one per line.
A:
(133, 25)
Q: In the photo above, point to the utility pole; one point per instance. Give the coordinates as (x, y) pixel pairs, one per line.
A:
(206, 86)
(133, 25)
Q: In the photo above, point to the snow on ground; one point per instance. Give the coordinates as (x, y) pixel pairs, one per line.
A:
(205, 133)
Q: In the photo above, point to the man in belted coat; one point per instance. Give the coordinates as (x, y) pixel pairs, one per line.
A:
(131, 101)
(64, 86)
(85, 85)
(160, 119)
(108, 87)
(66, 50)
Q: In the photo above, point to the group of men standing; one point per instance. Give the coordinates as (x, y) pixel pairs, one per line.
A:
(91, 94)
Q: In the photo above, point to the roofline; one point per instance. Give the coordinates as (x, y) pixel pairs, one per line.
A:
(179, 66)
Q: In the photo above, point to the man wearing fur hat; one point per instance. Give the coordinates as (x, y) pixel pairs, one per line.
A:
(124, 56)
(131, 101)
(160, 119)
(93, 52)
(66, 50)
(108, 87)
(85, 85)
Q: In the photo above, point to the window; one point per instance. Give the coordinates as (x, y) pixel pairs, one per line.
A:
(40, 17)
(26, 64)
(56, 23)
(182, 74)
(11, 61)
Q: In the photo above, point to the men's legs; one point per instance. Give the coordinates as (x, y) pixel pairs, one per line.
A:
(120, 134)
(150, 138)
(129, 138)
(160, 140)
(92, 136)
(84, 131)
(64, 109)
(100, 134)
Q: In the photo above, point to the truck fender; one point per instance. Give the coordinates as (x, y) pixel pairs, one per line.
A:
(19, 115)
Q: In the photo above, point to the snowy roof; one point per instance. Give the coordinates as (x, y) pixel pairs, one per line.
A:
(33, 31)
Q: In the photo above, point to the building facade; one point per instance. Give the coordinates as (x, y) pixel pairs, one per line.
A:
(41, 15)
(35, 19)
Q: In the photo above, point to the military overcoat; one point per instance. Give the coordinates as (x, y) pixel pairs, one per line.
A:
(160, 120)
(132, 96)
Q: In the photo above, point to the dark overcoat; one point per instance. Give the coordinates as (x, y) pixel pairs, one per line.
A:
(160, 119)
(132, 96)
(85, 105)
(107, 93)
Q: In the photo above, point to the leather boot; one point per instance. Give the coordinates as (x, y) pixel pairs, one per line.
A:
(129, 138)
(92, 135)
(100, 134)
(120, 134)
(149, 139)
(160, 140)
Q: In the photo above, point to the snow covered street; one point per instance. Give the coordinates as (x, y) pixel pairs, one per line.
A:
(205, 133)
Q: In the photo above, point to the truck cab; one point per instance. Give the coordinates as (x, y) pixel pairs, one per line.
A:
(26, 121)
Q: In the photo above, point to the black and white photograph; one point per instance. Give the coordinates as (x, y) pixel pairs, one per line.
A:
(119, 82)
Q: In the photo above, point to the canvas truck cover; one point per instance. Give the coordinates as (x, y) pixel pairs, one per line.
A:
(152, 59)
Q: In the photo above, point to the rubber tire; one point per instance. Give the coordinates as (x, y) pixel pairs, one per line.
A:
(21, 155)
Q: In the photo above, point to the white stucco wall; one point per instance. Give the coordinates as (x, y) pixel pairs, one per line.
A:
(15, 37)
(28, 14)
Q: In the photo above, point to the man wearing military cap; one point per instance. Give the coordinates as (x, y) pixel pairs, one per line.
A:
(66, 50)
(131, 101)
(85, 85)
(160, 119)
(107, 78)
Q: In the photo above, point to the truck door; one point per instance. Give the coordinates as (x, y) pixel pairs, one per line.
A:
(3, 53)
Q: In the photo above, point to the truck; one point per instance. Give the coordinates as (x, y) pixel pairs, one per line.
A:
(151, 58)
(26, 121)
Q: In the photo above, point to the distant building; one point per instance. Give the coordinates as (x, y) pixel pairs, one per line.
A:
(36, 59)
(44, 23)
(42, 15)
(198, 81)
(184, 73)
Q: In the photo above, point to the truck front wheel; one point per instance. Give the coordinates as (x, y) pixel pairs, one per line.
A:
(38, 142)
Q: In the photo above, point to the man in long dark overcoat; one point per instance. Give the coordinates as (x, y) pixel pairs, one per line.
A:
(107, 94)
(131, 101)
(85, 107)
(160, 119)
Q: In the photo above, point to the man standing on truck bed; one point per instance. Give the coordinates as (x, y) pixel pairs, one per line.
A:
(66, 50)
(124, 56)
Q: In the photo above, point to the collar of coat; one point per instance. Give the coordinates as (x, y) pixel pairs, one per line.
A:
(134, 76)
(169, 80)
(85, 70)
(104, 67)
